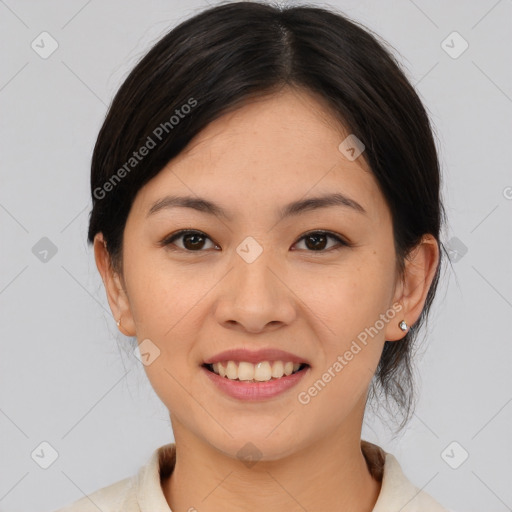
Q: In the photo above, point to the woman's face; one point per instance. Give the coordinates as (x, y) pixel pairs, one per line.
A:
(255, 279)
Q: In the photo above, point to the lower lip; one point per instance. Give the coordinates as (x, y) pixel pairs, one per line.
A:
(244, 390)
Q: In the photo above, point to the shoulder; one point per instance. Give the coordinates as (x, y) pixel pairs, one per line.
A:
(112, 498)
(397, 491)
(140, 492)
(401, 491)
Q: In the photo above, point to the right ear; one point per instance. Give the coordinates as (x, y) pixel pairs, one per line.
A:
(116, 293)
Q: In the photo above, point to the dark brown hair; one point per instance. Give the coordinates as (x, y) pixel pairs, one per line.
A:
(224, 56)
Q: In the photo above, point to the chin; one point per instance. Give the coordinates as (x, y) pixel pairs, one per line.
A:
(250, 449)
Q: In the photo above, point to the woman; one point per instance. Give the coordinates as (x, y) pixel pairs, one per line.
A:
(266, 220)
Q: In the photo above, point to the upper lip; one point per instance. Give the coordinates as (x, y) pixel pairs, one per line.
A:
(255, 356)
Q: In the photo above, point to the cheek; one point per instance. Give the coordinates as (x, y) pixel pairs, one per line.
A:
(167, 305)
(162, 297)
(349, 298)
(347, 306)
(163, 303)
(347, 312)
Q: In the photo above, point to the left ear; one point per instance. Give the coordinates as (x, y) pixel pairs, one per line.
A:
(420, 268)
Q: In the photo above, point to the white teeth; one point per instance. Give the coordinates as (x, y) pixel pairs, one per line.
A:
(231, 370)
(260, 372)
(277, 369)
(245, 371)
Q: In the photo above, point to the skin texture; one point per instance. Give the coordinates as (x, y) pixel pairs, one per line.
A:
(312, 303)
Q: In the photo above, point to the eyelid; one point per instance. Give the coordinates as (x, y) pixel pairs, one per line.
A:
(168, 240)
(343, 242)
(338, 237)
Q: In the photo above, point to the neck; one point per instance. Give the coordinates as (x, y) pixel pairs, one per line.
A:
(331, 474)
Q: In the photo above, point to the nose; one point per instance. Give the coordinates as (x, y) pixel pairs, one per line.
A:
(255, 296)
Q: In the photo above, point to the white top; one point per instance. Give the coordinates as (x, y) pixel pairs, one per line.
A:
(143, 492)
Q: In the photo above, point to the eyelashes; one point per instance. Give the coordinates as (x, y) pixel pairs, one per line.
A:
(181, 234)
(195, 241)
(324, 235)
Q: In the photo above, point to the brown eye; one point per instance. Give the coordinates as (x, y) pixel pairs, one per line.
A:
(192, 241)
(316, 241)
(196, 241)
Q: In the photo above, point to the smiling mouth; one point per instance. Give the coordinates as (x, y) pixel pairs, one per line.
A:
(264, 371)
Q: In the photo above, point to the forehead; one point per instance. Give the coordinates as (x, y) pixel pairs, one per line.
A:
(274, 150)
(291, 124)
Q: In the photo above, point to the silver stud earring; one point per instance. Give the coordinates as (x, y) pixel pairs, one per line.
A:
(403, 325)
(118, 322)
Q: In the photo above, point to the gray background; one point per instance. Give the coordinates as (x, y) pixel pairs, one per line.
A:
(66, 378)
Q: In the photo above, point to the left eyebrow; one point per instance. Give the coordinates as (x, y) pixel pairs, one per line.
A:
(325, 201)
(291, 209)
